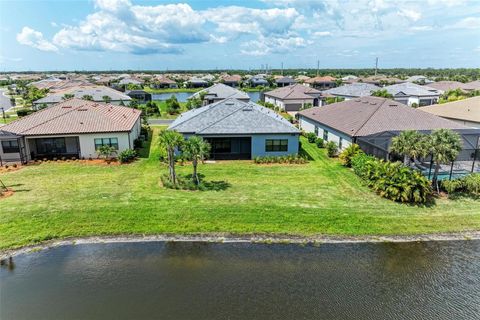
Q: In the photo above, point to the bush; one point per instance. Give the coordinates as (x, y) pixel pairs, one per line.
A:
(392, 180)
(472, 183)
(452, 186)
(311, 137)
(348, 153)
(291, 159)
(469, 184)
(127, 155)
(332, 149)
(24, 112)
(320, 143)
(137, 143)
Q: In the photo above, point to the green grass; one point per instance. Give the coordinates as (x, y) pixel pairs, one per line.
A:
(57, 200)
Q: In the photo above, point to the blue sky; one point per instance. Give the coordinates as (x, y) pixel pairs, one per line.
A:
(160, 35)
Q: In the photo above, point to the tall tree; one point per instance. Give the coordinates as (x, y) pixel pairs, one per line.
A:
(444, 146)
(67, 96)
(170, 140)
(382, 93)
(196, 149)
(407, 144)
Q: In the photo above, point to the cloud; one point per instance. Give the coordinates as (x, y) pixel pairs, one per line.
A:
(467, 23)
(32, 38)
(410, 14)
(268, 45)
(319, 34)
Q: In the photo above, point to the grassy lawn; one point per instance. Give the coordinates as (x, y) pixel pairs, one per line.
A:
(56, 200)
(163, 111)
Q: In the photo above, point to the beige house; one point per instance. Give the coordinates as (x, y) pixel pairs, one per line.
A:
(72, 128)
(466, 112)
(294, 98)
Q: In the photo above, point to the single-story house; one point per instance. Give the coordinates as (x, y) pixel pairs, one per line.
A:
(239, 130)
(195, 82)
(349, 79)
(163, 82)
(445, 86)
(466, 111)
(322, 83)
(293, 98)
(233, 80)
(71, 128)
(371, 122)
(419, 79)
(132, 81)
(97, 94)
(258, 80)
(380, 80)
(284, 81)
(353, 90)
(411, 93)
(139, 95)
(472, 86)
(220, 91)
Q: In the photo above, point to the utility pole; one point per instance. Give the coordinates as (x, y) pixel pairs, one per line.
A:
(318, 68)
(282, 68)
(376, 65)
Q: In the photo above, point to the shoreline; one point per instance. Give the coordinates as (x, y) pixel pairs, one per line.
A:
(229, 238)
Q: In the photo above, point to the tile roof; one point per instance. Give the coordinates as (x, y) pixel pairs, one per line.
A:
(296, 91)
(357, 89)
(232, 116)
(321, 79)
(232, 78)
(221, 91)
(75, 116)
(466, 109)
(474, 85)
(411, 89)
(447, 85)
(97, 93)
(369, 115)
(285, 80)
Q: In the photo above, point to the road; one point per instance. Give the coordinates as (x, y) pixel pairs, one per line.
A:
(162, 122)
(4, 100)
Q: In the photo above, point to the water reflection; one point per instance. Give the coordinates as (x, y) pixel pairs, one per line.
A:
(194, 280)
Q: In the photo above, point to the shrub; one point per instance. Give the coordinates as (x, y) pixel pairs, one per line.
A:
(472, 183)
(311, 137)
(452, 186)
(127, 155)
(291, 159)
(320, 143)
(332, 149)
(137, 143)
(24, 112)
(348, 153)
(363, 165)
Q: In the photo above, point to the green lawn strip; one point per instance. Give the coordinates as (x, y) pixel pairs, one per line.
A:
(57, 200)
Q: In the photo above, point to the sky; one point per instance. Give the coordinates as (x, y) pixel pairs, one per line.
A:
(40, 35)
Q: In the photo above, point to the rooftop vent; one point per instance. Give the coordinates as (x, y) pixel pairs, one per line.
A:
(66, 107)
(82, 109)
(229, 103)
(249, 108)
(393, 105)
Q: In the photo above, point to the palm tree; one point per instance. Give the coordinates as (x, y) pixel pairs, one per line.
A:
(444, 145)
(87, 97)
(106, 99)
(407, 144)
(170, 140)
(196, 149)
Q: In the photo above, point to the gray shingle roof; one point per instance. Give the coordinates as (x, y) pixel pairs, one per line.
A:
(232, 116)
(97, 93)
(220, 91)
(411, 89)
(295, 91)
(353, 90)
(369, 115)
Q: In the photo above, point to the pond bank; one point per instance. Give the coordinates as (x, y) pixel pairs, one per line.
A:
(228, 238)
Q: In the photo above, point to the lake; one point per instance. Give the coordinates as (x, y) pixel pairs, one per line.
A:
(183, 96)
(196, 280)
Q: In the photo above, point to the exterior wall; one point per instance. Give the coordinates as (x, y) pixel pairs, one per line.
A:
(414, 99)
(135, 133)
(465, 122)
(258, 144)
(281, 103)
(309, 125)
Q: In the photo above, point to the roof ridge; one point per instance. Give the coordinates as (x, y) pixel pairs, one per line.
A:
(228, 115)
(53, 118)
(215, 104)
(370, 117)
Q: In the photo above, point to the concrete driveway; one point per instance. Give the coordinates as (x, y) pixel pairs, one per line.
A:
(4, 100)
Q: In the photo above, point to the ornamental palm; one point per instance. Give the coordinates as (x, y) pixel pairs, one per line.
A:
(444, 145)
(170, 140)
(106, 99)
(408, 143)
(196, 149)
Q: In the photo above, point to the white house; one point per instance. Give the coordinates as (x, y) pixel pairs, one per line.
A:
(239, 130)
(414, 94)
(72, 128)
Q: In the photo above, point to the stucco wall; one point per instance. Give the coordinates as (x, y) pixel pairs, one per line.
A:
(258, 144)
(308, 125)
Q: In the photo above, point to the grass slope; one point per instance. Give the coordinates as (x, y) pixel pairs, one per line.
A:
(55, 200)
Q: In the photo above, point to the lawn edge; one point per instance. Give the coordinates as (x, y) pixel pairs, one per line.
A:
(232, 238)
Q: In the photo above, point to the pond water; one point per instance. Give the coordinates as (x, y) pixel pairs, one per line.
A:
(183, 96)
(195, 280)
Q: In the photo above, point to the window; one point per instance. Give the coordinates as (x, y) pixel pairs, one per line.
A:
(276, 145)
(316, 131)
(325, 135)
(112, 142)
(10, 146)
